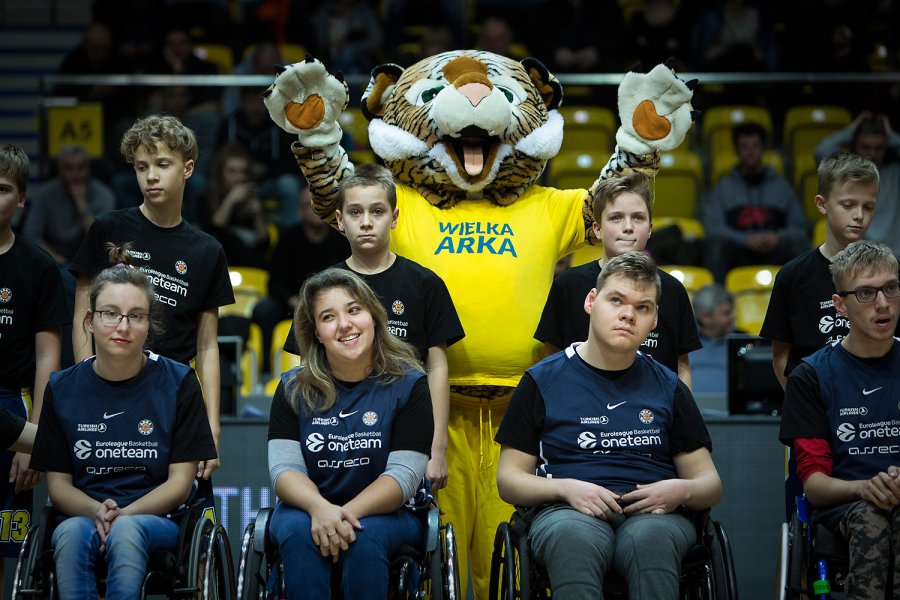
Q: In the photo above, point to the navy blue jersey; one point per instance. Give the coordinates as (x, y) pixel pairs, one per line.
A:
(616, 429)
(346, 447)
(852, 403)
(117, 439)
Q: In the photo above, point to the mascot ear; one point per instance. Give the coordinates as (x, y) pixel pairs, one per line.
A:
(382, 82)
(546, 83)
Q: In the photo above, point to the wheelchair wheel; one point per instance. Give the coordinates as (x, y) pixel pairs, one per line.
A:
(781, 563)
(445, 566)
(24, 581)
(797, 568)
(724, 575)
(250, 583)
(507, 581)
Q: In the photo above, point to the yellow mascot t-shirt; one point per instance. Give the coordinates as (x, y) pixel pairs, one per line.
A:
(498, 264)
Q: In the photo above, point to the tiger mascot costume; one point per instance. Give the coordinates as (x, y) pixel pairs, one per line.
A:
(466, 134)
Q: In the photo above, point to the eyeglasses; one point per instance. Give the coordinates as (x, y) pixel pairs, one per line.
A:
(864, 295)
(111, 318)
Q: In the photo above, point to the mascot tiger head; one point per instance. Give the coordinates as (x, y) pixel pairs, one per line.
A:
(465, 124)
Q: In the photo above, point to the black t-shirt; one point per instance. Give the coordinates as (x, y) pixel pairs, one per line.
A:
(801, 312)
(296, 258)
(563, 320)
(418, 305)
(187, 267)
(32, 299)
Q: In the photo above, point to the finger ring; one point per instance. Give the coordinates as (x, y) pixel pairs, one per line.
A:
(332, 534)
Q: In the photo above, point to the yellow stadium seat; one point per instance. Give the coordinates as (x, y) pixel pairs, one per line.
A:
(691, 229)
(292, 53)
(806, 183)
(719, 120)
(361, 157)
(572, 170)
(218, 54)
(805, 126)
(678, 184)
(588, 129)
(282, 361)
(250, 286)
(723, 162)
(353, 122)
(250, 361)
(691, 277)
(751, 278)
(819, 232)
(750, 310)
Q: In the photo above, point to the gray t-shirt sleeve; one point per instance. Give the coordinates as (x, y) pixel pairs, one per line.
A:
(285, 455)
(407, 468)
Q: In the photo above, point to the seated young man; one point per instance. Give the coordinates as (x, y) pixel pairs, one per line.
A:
(611, 446)
(840, 416)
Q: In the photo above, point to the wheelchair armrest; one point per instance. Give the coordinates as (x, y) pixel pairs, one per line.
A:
(433, 532)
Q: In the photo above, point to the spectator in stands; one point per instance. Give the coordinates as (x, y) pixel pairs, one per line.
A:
(733, 35)
(753, 215)
(137, 27)
(495, 35)
(235, 210)
(349, 35)
(660, 30)
(304, 248)
(178, 58)
(714, 309)
(269, 146)
(571, 32)
(62, 211)
(262, 60)
(871, 136)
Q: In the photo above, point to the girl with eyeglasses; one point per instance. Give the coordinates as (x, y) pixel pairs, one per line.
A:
(119, 437)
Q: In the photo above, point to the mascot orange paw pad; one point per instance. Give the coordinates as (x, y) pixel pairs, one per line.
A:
(648, 124)
(306, 114)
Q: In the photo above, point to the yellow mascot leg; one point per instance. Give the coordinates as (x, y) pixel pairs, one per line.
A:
(470, 501)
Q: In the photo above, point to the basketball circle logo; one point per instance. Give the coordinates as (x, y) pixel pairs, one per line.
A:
(181, 267)
(5, 294)
(397, 307)
(646, 416)
(145, 427)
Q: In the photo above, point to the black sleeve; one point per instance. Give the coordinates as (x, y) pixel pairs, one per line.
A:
(52, 308)
(11, 426)
(91, 258)
(290, 344)
(688, 337)
(523, 422)
(442, 321)
(550, 327)
(283, 421)
(51, 453)
(192, 438)
(688, 429)
(776, 325)
(414, 425)
(219, 293)
(802, 413)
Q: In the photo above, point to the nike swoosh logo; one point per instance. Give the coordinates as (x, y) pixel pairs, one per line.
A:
(612, 406)
(867, 392)
(110, 416)
(344, 415)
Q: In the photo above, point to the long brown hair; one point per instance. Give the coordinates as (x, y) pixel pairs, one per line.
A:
(313, 382)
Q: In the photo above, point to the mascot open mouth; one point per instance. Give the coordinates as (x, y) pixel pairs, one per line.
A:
(473, 149)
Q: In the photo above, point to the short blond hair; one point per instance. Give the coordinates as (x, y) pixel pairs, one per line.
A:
(151, 131)
(611, 188)
(861, 256)
(845, 167)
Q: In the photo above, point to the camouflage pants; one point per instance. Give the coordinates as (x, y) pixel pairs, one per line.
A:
(874, 538)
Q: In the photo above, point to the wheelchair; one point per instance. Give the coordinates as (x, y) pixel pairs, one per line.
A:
(707, 571)
(812, 560)
(200, 567)
(431, 571)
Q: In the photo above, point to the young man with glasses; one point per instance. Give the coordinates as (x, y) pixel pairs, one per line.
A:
(842, 419)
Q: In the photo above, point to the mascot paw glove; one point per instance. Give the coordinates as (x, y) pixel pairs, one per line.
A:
(655, 110)
(305, 99)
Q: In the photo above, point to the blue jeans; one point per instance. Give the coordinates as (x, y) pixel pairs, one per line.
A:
(131, 539)
(578, 550)
(363, 568)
